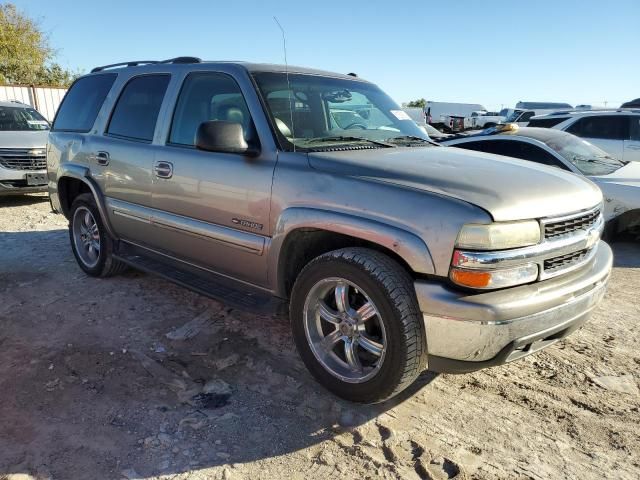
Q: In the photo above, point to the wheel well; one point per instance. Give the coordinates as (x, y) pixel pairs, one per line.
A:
(68, 189)
(303, 245)
(627, 223)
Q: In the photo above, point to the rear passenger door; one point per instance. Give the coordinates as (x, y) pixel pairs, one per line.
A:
(212, 209)
(632, 146)
(125, 153)
(608, 132)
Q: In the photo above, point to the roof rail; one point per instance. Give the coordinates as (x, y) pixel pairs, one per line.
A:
(135, 63)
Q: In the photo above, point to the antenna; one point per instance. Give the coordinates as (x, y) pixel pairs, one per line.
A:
(286, 72)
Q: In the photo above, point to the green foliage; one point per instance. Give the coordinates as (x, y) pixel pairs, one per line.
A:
(25, 54)
(417, 103)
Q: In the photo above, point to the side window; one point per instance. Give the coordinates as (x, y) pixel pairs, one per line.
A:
(526, 116)
(634, 128)
(205, 97)
(604, 127)
(136, 111)
(81, 104)
(516, 149)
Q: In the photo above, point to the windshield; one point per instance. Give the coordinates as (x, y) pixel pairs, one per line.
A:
(20, 118)
(586, 157)
(317, 112)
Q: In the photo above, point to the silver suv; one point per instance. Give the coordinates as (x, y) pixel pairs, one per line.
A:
(391, 254)
(23, 141)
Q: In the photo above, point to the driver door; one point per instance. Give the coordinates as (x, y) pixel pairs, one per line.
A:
(212, 209)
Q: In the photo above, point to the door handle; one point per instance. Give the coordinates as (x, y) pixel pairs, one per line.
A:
(102, 158)
(163, 169)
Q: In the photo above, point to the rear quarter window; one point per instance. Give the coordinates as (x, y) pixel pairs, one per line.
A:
(81, 104)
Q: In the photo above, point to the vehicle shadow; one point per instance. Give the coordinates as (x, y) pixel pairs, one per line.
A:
(93, 386)
(21, 200)
(626, 253)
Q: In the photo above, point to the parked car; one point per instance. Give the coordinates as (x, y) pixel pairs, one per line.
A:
(522, 117)
(631, 104)
(482, 119)
(23, 141)
(616, 132)
(391, 254)
(618, 180)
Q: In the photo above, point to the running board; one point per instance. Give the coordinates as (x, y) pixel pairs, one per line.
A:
(235, 294)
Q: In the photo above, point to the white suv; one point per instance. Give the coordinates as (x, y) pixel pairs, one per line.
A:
(617, 132)
(23, 142)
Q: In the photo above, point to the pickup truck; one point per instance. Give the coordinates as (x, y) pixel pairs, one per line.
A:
(390, 253)
(481, 119)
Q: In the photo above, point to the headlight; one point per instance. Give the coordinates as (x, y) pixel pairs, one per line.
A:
(499, 236)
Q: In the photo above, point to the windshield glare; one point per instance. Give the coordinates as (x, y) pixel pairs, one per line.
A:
(20, 119)
(514, 116)
(586, 157)
(317, 111)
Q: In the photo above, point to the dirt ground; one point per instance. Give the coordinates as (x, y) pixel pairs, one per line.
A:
(133, 377)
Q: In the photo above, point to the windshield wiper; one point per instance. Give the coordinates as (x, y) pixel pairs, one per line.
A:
(347, 138)
(411, 138)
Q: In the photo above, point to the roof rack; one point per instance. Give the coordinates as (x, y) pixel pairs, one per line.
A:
(135, 63)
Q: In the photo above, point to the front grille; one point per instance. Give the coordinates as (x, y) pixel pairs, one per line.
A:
(22, 159)
(570, 225)
(564, 261)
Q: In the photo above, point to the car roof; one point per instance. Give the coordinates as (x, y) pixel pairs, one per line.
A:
(577, 113)
(194, 63)
(15, 104)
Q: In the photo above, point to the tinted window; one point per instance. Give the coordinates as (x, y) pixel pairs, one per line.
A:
(136, 112)
(515, 149)
(526, 116)
(82, 103)
(546, 122)
(634, 129)
(204, 97)
(605, 127)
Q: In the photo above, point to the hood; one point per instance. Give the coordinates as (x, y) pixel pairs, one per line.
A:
(621, 189)
(629, 175)
(507, 188)
(24, 139)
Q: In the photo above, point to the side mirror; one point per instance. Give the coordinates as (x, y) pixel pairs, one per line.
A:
(224, 137)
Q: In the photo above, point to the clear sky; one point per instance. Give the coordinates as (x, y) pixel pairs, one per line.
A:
(490, 52)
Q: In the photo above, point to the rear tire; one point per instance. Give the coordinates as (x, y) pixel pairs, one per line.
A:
(90, 243)
(373, 344)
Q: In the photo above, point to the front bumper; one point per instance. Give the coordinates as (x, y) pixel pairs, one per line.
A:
(17, 188)
(467, 332)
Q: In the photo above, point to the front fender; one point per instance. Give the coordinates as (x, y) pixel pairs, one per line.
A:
(79, 172)
(408, 246)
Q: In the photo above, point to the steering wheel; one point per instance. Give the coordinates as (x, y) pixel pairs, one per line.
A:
(355, 125)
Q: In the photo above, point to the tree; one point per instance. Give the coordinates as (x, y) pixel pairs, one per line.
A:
(26, 56)
(417, 103)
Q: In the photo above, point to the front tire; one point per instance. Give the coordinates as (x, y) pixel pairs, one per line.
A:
(90, 243)
(357, 326)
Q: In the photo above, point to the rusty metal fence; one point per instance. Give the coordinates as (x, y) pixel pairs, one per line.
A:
(44, 99)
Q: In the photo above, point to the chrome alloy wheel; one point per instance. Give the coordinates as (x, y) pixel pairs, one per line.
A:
(344, 330)
(86, 236)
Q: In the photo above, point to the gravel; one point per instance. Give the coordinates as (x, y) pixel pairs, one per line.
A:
(87, 392)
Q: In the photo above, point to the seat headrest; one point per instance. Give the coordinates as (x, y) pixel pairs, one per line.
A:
(284, 129)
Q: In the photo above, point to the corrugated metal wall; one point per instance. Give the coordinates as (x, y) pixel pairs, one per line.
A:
(44, 99)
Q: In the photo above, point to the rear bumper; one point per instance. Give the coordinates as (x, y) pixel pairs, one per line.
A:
(467, 332)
